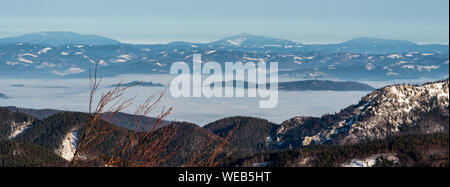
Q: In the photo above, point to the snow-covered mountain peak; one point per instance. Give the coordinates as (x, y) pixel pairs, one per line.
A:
(245, 39)
(389, 111)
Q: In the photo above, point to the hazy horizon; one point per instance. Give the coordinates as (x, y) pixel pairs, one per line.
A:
(318, 43)
(199, 21)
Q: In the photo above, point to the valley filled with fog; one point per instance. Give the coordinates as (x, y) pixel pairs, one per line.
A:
(73, 95)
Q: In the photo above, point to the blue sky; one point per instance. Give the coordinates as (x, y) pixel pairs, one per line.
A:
(307, 21)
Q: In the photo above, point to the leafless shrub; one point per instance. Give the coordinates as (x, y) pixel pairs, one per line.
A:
(142, 145)
(134, 148)
(203, 157)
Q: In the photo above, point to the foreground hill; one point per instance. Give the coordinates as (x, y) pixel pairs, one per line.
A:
(392, 110)
(37, 113)
(120, 119)
(15, 154)
(398, 125)
(13, 123)
(184, 143)
(247, 135)
(413, 150)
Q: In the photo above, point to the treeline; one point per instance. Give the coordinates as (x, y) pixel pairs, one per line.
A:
(15, 154)
(247, 135)
(49, 132)
(37, 113)
(413, 150)
(6, 117)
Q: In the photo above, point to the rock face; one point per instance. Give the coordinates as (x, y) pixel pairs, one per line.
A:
(391, 110)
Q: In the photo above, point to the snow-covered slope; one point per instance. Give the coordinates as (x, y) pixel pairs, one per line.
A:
(391, 110)
(245, 39)
(68, 146)
(17, 128)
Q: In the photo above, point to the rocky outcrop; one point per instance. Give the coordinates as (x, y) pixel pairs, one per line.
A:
(391, 110)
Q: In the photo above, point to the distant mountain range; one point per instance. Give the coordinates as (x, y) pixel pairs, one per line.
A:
(243, 40)
(70, 55)
(311, 85)
(139, 83)
(398, 125)
(59, 38)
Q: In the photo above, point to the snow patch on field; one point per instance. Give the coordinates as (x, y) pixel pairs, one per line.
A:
(119, 60)
(236, 43)
(370, 161)
(210, 52)
(391, 73)
(298, 58)
(126, 57)
(12, 63)
(21, 59)
(370, 66)
(46, 65)
(262, 164)
(427, 68)
(45, 50)
(70, 71)
(408, 66)
(29, 54)
(394, 56)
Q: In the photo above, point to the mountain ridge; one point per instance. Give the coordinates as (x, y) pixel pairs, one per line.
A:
(242, 39)
(57, 38)
(346, 61)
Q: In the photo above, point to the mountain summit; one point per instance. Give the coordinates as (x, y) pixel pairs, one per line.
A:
(378, 41)
(56, 38)
(245, 39)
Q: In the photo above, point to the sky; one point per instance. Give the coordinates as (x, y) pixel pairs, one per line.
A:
(164, 21)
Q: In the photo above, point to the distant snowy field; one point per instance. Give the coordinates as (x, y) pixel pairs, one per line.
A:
(73, 95)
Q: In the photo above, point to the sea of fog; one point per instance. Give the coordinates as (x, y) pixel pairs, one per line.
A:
(73, 95)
